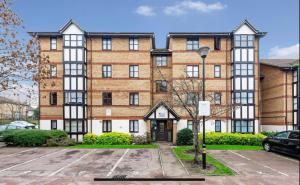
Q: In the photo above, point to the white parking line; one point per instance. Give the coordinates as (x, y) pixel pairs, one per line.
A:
(30, 160)
(117, 163)
(240, 155)
(19, 152)
(57, 171)
(276, 170)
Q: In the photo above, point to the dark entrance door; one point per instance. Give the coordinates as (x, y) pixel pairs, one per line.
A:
(162, 133)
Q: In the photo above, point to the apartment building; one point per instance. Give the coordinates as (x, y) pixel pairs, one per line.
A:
(280, 99)
(103, 81)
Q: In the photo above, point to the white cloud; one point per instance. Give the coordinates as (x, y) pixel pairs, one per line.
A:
(145, 10)
(290, 52)
(187, 5)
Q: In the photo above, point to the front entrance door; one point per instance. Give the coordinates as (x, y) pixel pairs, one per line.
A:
(162, 133)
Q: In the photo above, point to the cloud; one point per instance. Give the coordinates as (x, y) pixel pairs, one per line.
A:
(145, 10)
(187, 5)
(290, 52)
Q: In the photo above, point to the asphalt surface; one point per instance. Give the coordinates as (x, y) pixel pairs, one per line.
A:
(81, 166)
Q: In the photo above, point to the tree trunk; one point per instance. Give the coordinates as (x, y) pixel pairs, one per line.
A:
(196, 142)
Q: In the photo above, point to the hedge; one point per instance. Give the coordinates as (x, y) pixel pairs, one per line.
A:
(233, 138)
(185, 137)
(31, 138)
(112, 138)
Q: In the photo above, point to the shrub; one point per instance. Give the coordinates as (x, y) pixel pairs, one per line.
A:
(266, 133)
(66, 141)
(185, 137)
(89, 139)
(232, 138)
(140, 139)
(114, 138)
(26, 138)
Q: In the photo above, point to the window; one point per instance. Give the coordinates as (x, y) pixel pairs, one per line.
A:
(217, 97)
(67, 126)
(192, 44)
(53, 71)
(217, 125)
(73, 40)
(106, 43)
(106, 126)
(133, 44)
(53, 124)
(73, 54)
(217, 69)
(133, 98)
(107, 98)
(161, 86)
(73, 69)
(294, 135)
(73, 97)
(53, 98)
(133, 126)
(53, 43)
(161, 61)
(283, 135)
(106, 71)
(191, 98)
(190, 124)
(243, 126)
(243, 40)
(133, 71)
(192, 71)
(250, 97)
(217, 43)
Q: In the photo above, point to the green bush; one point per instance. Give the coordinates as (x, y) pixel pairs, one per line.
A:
(140, 139)
(266, 133)
(232, 138)
(31, 138)
(66, 141)
(90, 139)
(185, 137)
(114, 138)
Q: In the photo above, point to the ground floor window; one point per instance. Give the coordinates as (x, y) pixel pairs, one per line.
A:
(106, 126)
(53, 124)
(134, 126)
(218, 126)
(190, 124)
(75, 126)
(243, 126)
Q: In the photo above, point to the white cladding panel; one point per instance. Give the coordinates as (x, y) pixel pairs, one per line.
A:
(80, 112)
(251, 83)
(237, 83)
(238, 112)
(67, 83)
(244, 29)
(161, 112)
(72, 29)
(251, 112)
(244, 55)
(251, 55)
(244, 83)
(67, 112)
(80, 83)
(73, 111)
(244, 112)
(237, 55)
(73, 83)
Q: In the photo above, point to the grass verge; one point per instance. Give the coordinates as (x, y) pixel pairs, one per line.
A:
(233, 147)
(148, 146)
(220, 168)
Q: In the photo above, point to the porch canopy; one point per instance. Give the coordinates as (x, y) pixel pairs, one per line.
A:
(161, 111)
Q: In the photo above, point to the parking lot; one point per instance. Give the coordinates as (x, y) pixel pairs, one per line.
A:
(65, 165)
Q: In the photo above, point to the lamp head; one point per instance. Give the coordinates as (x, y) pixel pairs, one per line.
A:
(203, 51)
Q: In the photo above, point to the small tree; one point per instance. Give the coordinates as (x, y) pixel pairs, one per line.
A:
(186, 94)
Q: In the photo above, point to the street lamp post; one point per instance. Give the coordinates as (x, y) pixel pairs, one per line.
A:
(203, 52)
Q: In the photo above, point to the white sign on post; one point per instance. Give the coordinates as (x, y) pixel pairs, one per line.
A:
(204, 108)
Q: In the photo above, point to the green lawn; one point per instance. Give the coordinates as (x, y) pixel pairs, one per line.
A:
(233, 147)
(148, 146)
(221, 169)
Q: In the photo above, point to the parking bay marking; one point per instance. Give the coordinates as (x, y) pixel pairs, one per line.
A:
(31, 160)
(117, 163)
(57, 171)
(19, 152)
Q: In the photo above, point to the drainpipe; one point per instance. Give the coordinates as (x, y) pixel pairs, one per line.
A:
(286, 126)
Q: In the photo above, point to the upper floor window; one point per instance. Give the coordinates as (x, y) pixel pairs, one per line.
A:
(217, 43)
(191, 98)
(161, 61)
(217, 71)
(243, 97)
(73, 97)
(244, 69)
(192, 43)
(106, 126)
(106, 43)
(133, 126)
(133, 71)
(107, 98)
(133, 98)
(73, 40)
(133, 44)
(53, 43)
(106, 71)
(244, 40)
(192, 71)
(295, 76)
(73, 69)
(161, 86)
(53, 124)
(217, 98)
(53, 71)
(53, 98)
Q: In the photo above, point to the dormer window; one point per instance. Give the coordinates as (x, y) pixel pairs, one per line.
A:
(243, 40)
(73, 40)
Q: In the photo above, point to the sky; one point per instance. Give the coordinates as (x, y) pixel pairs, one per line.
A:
(280, 18)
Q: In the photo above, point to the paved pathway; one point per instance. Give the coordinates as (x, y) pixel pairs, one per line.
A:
(170, 164)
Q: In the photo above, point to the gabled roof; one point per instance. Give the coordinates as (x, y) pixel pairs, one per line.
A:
(246, 22)
(161, 103)
(280, 63)
(70, 22)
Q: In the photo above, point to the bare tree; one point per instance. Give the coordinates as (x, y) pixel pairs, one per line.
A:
(20, 59)
(186, 94)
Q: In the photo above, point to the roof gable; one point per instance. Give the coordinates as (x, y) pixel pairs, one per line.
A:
(161, 111)
(71, 28)
(245, 28)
